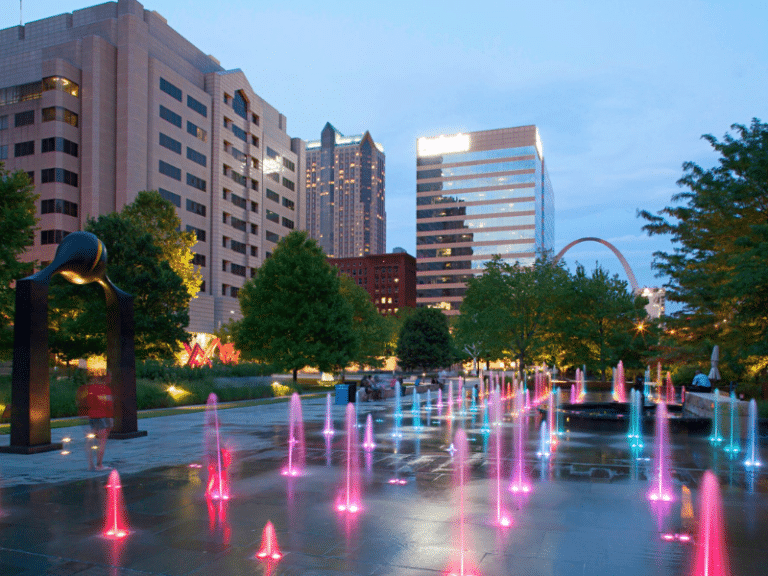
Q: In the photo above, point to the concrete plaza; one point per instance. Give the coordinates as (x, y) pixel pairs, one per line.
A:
(587, 513)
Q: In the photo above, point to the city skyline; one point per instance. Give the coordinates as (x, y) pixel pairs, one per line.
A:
(621, 94)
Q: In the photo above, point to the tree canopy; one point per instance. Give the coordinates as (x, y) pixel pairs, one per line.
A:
(17, 226)
(425, 341)
(155, 215)
(294, 314)
(369, 328)
(136, 265)
(716, 269)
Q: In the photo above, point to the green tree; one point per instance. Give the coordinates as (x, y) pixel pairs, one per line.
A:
(17, 226)
(137, 266)
(513, 307)
(155, 215)
(293, 312)
(601, 323)
(425, 341)
(716, 269)
(368, 326)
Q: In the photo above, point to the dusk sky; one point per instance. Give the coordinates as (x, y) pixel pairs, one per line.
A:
(621, 91)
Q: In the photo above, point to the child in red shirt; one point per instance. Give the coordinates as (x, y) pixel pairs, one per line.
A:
(99, 407)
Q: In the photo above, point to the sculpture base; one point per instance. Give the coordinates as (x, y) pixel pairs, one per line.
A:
(127, 435)
(31, 449)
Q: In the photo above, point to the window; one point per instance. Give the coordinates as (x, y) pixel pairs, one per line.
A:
(255, 162)
(169, 170)
(202, 286)
(272, 216)
(4, 122)
(236, 246)
(239, 201)
(254, 230)
(195, 207)
(62, 84)
(287, 223)
(170, 116)
(196, 182)
(196, 157)
(52, 236)
(25, 118)
(254, 185)
(255, 207)
(59, 145)
(227, 98)
(272, 154)
(289, 184)
(239, 105)
(170, 89)
(198, 107)
(253, 270)
(240, 133)
(224, 289)
(225, 220)
(4, 152)
(198, 232)
(58, 175)
(21, 93)
(290, 165)
(237, 269)
(272, 237)
(198, 260)
(234, 291)
(274, 176)
(239, 178)
(174, 199)
(237, 223)
(254, 252)
(235, 153)
(196, 131)
(60, 114)
(272, 195)
(288, 204)
(31, 176)
(255, 140)
(255, 119)
(170, 143)
(24, 148)
(58, 206)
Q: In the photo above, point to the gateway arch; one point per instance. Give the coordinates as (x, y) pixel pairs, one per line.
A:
(630, 275)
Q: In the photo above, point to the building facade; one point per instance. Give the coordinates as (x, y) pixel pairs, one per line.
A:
(390, 279)
(102, 103)
(345, 194)
(478, 195)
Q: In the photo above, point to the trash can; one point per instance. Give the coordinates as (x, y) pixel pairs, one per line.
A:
(345, 393)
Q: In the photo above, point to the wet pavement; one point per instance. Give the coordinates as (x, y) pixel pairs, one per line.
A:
(587, 512)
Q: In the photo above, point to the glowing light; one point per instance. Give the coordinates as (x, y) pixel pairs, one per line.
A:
(66, 439)
(64, 452)
(115, 527)
(443, 145)
(176, 392)
(269, 549)
(91, 436)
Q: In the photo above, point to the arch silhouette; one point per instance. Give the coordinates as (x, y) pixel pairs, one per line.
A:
(81, 258)
(627, 269)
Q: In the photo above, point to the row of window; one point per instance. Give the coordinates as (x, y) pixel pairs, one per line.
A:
(174, 172)
(58, 206)
(170, 116)
(34, 90)
(52, 236)
(49, 114)
(240, 106)
(274, 217)
(58, 175)
(51, 144)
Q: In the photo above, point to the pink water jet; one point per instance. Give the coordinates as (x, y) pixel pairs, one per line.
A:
(368, 443)
(218, 458)
(670, 389)
(328, 429)
(115, 523)
(574, 396)
(349, 500)
(269, 548)
(711, 557)
(461, 566)
(296, 446)
(661, 488)
(496, 468)
(621, 393)
(519, 483)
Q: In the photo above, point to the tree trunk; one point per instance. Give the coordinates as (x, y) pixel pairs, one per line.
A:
(295, 375)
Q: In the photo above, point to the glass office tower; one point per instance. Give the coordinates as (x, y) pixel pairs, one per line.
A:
(478, 195)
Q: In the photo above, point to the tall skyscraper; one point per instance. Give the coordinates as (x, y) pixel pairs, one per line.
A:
(102, 103)
(345, 194)
(478, 195)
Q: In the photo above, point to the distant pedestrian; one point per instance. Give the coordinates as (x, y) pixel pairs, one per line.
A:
(99, 408)
(701, 383)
